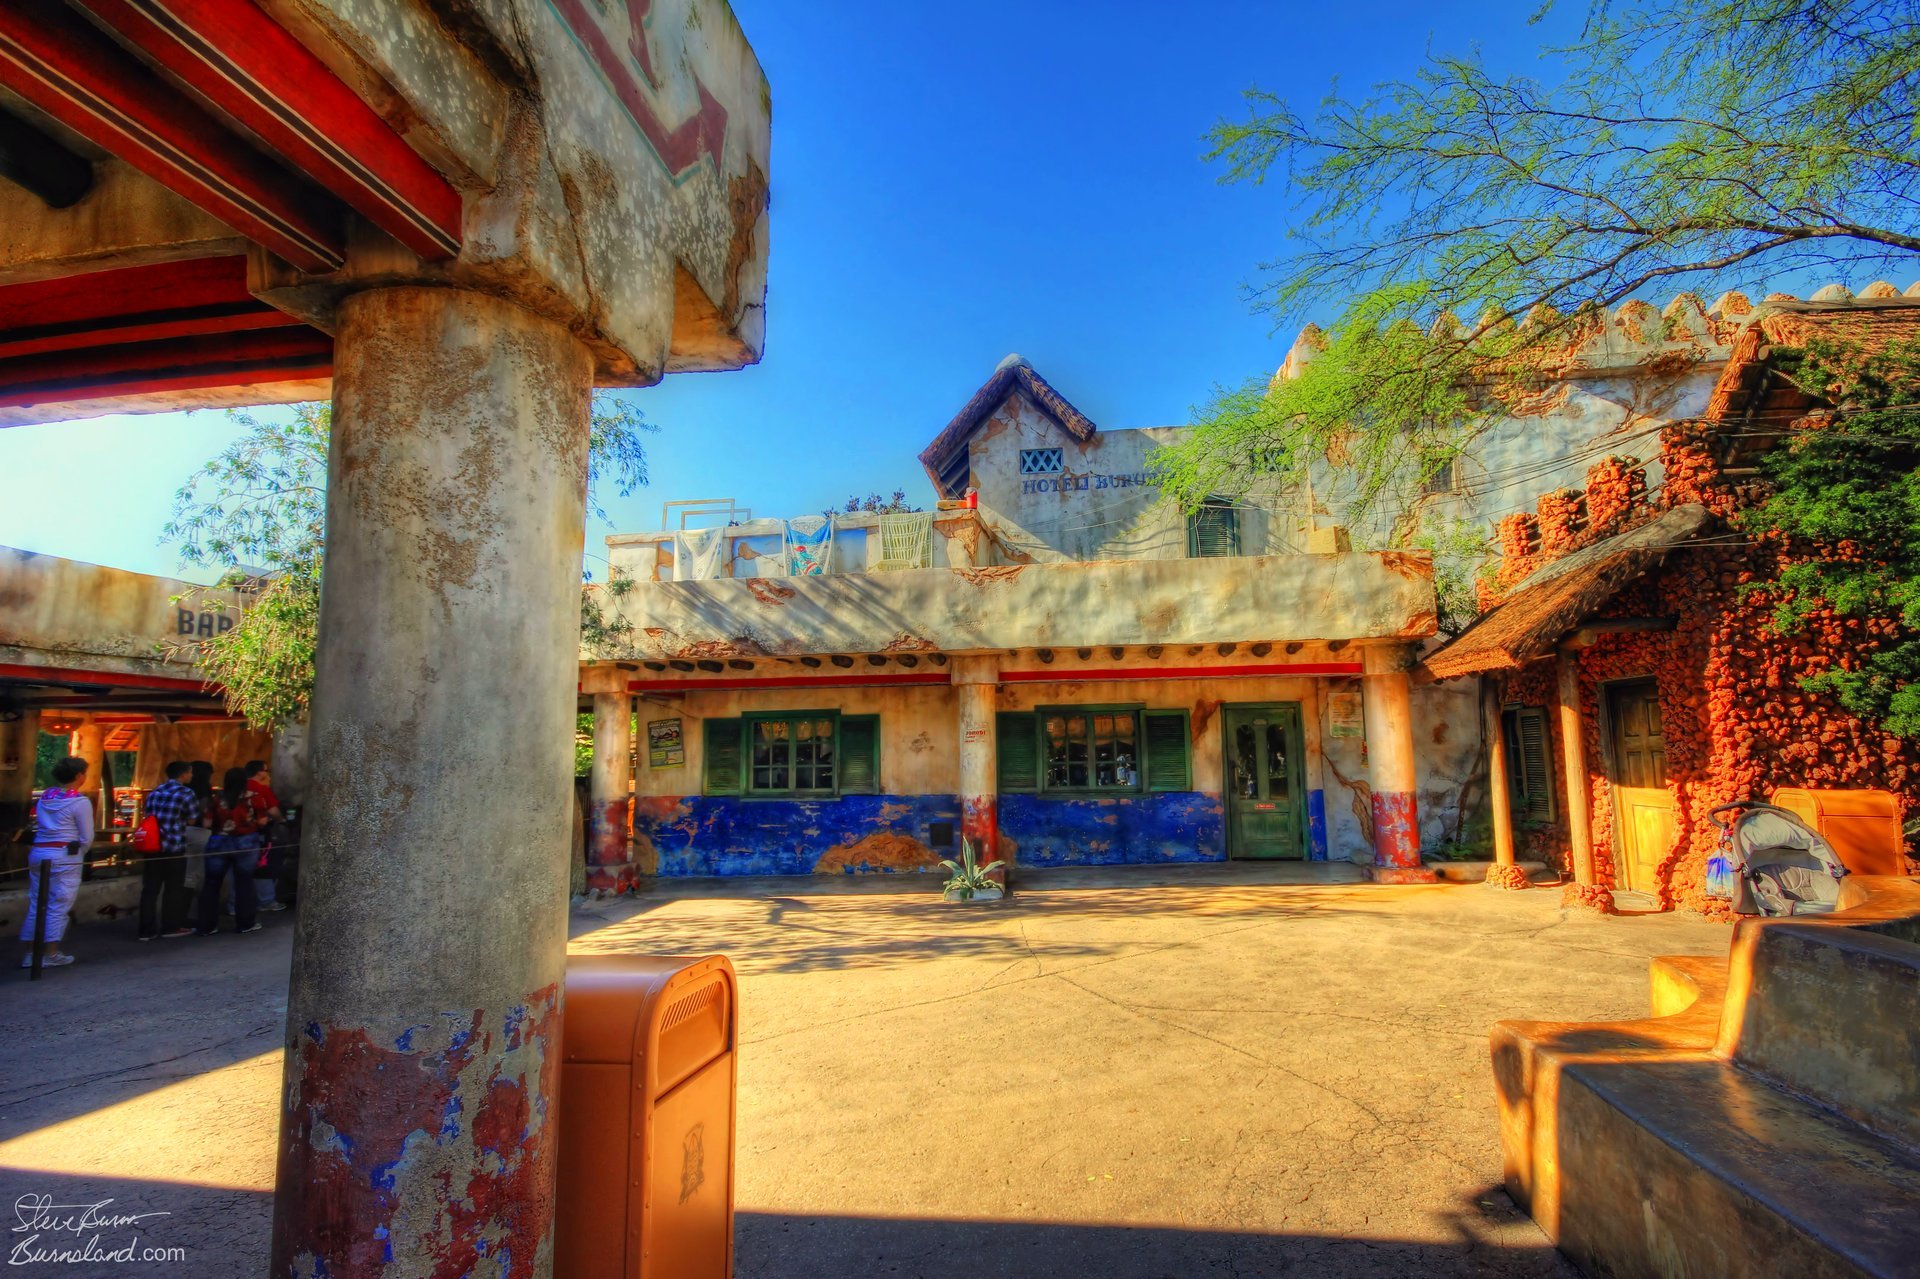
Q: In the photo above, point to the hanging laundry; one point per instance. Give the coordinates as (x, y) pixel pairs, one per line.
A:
(906, 541)
(696, 555)
(810, 545)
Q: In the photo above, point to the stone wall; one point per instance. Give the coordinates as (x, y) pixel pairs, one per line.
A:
(1736, 721)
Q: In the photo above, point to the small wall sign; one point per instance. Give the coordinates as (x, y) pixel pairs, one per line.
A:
(666, 745)
(1345, 716)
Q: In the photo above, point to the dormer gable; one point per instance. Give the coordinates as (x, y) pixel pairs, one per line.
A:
(946, 459)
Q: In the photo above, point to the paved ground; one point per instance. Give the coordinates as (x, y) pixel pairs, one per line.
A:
(1122, 1074)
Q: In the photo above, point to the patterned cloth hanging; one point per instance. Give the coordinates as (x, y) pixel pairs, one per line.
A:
(810, 545)
(906, 541)
(696, 553)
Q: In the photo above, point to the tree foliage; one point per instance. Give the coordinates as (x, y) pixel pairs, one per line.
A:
(1676, 143)
(1847, 492)
(256, 512)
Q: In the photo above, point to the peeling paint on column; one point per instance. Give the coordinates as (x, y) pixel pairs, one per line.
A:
(1317, 825)
(1396, 829)
(609, 869)
(980, 824)
(421, 1148)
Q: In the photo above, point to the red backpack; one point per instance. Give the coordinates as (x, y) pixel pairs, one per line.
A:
(146, 836)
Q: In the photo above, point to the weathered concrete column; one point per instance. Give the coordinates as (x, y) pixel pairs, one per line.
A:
(1499, 792)
(610, 805)
(19, 752)
(976, 680)
(1573, 754)
(1386, 694)
(89, 742)
(423, 1016)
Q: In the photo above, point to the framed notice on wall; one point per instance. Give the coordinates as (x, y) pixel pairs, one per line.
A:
(1345, 716)
(666, 746)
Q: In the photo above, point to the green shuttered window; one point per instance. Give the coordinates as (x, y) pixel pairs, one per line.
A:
(723, 752)
(1016, 735)
(1169, 766)
(1529, 768)
(1093, 750)
(859, 754)
(799, 753)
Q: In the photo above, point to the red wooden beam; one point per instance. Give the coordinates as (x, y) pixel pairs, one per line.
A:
(59, 62)
(786, 681)
(1268, 671)
(248, 65)
(132, 304)
(176, 364)
(66, 675)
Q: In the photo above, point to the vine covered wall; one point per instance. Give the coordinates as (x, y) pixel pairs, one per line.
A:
(1736, 722)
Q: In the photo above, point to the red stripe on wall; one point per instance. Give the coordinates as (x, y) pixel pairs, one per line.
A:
(1181, 672)
(786, 681)
(64, 675)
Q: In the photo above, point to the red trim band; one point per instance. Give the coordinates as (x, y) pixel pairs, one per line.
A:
(1181, 672)
(786, 681)
(66, 675)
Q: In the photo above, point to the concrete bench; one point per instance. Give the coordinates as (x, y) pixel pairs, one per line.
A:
(1765, 1122)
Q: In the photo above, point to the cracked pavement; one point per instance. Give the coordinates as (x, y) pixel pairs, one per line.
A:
(1122, 1073)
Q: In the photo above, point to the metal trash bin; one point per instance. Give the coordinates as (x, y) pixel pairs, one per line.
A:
(1862, 825)
(646, 1115)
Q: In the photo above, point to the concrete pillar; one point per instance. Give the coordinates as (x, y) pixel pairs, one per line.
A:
(19, 751)
(423, 1014)
(976, 681)
(1499, 786)
(610, 804)
(89, 742)
(1573, 754)
(1386, 694)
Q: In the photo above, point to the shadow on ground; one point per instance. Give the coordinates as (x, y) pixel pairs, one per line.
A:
(779, 1246)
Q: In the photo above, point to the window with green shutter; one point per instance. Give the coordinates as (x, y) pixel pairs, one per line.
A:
(1213, 530)
(724, 774)
(799, 753)
(1529, 766)
(1169, 765)
(859, 754)
(1016, 735)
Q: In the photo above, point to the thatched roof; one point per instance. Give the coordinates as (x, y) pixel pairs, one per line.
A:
(1749, 391)
(1556, 599)
(942, 457)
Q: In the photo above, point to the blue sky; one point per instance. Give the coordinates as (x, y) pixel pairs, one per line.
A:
(950, 183)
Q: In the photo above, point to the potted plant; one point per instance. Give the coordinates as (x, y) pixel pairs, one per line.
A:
(970, 881)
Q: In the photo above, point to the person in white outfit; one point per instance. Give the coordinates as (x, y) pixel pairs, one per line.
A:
(62, 833)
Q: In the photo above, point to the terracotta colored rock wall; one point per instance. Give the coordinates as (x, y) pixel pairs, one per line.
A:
(1737, 723)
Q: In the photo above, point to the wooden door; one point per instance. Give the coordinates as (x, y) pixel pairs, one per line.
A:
(1265, 774)
(1637, 768)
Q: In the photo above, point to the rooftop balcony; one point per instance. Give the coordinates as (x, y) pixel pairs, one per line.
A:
(969, 606)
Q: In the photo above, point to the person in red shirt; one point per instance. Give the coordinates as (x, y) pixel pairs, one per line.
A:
(260, 786)
(237, 819)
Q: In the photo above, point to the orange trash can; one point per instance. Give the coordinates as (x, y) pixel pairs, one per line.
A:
(646, 1108)
(1862, 825)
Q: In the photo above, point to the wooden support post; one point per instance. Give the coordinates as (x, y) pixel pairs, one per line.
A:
(1574, 755)
(1498, 783)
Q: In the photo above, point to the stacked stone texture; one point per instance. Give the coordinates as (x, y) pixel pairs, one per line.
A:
(1737, 724)
(1562, 516)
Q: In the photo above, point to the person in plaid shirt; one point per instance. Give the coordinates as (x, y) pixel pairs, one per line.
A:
(163, 875)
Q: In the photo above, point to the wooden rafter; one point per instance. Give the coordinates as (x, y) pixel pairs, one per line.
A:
(61, 64)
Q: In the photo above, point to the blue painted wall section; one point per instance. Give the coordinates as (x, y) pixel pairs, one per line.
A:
(1120, 830)
(726, 835)
(1316, 825)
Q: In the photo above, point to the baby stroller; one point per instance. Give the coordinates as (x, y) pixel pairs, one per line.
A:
(1771, 863)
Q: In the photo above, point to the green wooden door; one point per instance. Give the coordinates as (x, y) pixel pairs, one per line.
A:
(1265, 775)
